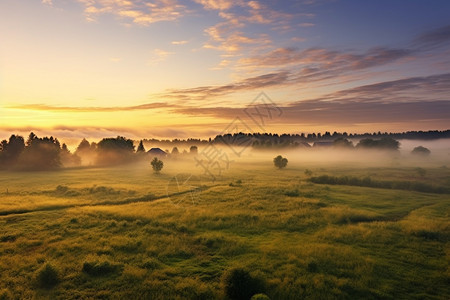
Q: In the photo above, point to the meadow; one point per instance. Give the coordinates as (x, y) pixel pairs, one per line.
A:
(127, 233)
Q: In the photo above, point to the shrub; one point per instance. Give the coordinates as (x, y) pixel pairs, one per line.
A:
(47, 276)
(312, 267)
(308, 172)
(368, 182)
(292, 193)
(8, 238)
(240, 285)
(100, 268)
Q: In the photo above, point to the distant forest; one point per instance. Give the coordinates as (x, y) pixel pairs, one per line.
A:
(306, 137)
(48, 153)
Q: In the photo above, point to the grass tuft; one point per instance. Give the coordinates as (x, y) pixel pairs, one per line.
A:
(47, 276)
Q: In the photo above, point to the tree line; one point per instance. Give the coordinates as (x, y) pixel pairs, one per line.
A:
(269, 140)
(47, 153)
(35, 153)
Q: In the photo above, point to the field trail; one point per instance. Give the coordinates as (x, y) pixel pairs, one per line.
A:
(144, 198)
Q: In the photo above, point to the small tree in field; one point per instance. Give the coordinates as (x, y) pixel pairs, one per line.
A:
(280, 162)
(421, 151)
(157, 165)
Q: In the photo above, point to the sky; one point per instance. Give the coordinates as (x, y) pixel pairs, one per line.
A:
(197, 68)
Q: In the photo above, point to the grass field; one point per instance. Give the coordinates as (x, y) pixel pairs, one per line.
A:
(114, 233)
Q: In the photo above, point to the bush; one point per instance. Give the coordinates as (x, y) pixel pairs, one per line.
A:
(240, 285)
(312, 267)
(368, 182)
(47, 276)
(292, 193)
(100, 268)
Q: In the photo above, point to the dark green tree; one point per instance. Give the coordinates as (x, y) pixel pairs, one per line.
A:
(421, 151)
(280, 162)
(157, 164)
(140, 148)
(193, 150)
(113, 151)
(11, 150)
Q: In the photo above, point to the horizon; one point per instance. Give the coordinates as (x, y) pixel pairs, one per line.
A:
(72, 143)
(169, 69)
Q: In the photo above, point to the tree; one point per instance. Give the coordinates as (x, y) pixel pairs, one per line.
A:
(41, 154)
(343, 143)
(11, 151)
(382, 144)
(193, 150)
(157, 165)
(280, 162)
(113, 151)
(140, 148)
(68, 159)
(175, 151)
(421, 151)
(31, 138)
(83, 146)
(119, 143)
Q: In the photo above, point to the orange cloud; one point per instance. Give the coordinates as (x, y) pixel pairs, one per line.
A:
(138, 12)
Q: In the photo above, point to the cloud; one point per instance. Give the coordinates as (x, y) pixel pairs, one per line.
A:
(409, 100)
(139, 12)
(320, 112)
(231, 36)
(179, 42)
(409, 89)
(293, 67)
(418, 101)
(72, 135)
(47, 2)
(400, 101)
(233, 42)
(298, 39)
(204, 92)
(217, 4)
(324, 58)
(158, 56)
(44, 107)
(434, 38)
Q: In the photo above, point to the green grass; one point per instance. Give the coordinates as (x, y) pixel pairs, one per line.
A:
(114, 233)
